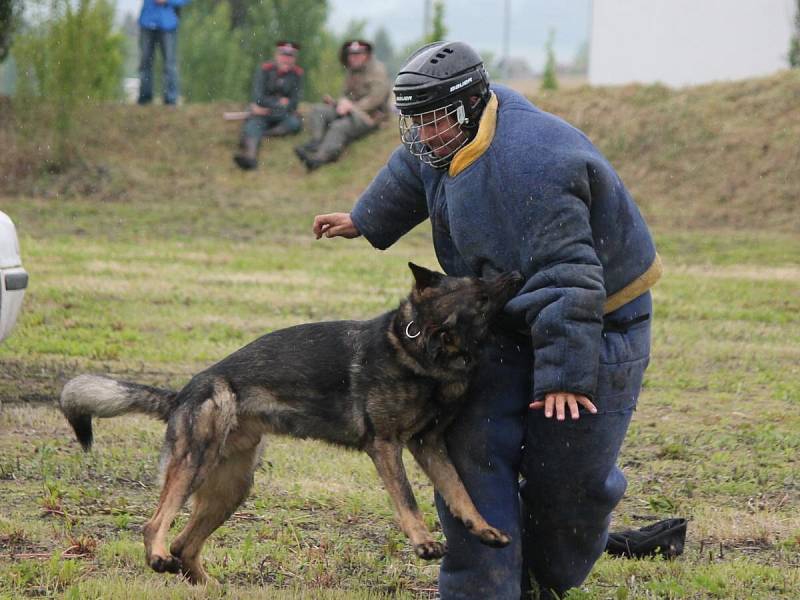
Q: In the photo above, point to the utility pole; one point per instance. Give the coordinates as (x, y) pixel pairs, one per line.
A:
(426, 20)
(506, 36)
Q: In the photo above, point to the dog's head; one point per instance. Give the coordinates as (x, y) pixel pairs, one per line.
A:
(451, 315)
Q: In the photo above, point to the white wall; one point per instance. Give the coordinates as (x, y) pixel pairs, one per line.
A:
(684, 42)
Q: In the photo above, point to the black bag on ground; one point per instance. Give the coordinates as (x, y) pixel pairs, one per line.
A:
(665, 538)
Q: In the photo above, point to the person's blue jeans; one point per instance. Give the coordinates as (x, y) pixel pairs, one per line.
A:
(256, 125)
(168, 42)
(560, 528)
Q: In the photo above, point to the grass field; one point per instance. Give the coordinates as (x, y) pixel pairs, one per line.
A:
(156, 257)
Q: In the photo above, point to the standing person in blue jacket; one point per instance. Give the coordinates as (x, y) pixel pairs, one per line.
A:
(506, 187)
(158, 25)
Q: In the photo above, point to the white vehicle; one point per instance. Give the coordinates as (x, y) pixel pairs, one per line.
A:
(13, 278)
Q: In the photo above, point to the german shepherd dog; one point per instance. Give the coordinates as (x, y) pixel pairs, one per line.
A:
(395, 381)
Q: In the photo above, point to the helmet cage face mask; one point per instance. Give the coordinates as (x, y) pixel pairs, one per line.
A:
(434, 136)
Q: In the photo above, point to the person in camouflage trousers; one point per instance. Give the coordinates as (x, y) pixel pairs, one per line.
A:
(277, 87)
(361, 108)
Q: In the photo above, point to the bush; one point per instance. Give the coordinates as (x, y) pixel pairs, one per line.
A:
(71, 57)
(9, 10)
(218, 54)
(549, 80)
(214, 62)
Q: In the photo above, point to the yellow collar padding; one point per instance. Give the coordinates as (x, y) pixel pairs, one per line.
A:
(473, 151)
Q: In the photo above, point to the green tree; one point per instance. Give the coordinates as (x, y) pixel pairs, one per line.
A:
(218, 55)
(580, 64)
(438, 28)
(71, 57)
(9, 10)
(386, 53)
(382, 45)
(549, 80)
(794, 48)
(213, 62)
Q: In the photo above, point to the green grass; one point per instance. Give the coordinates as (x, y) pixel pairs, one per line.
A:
(154, 273)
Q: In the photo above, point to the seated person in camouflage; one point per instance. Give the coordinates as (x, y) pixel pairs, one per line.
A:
(360, 109)
(277, 86)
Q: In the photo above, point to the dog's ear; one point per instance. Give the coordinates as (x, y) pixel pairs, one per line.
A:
(424, 278)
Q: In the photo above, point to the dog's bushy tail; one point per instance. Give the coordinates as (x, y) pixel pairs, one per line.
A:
(88, 396)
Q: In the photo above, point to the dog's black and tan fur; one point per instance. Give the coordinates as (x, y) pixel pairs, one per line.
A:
(380, 385)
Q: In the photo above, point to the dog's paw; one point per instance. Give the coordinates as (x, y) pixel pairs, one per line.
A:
(430, 550)
(165, 564)
(494, 537)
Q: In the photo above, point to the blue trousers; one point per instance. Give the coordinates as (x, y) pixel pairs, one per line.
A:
(168, 42)
(559, 518)
(257, 126)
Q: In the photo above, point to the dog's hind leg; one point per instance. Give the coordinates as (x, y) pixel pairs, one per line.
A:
(388, 459)
(431, 454)
(196, 434)
(223, 490)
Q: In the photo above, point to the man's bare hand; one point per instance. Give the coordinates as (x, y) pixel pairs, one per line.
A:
(560, 401)
(261, 111)
(343, 107)
(335, 225)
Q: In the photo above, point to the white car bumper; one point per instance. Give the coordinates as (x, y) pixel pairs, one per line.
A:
(13, 278)
(13, 283)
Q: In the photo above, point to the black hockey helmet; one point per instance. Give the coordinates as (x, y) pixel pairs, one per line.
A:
(440, 92)
(442, 73)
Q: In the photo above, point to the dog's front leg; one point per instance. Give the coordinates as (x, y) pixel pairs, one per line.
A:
(388, 459)
(431, 454)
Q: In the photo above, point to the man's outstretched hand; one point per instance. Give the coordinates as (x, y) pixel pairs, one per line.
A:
(335, 225)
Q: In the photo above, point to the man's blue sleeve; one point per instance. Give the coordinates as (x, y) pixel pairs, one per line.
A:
(562, 300)
(394, 203)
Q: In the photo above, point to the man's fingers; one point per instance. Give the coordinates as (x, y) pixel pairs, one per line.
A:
(536, 405)
(587, 404)
(321, 224)
(549, 402)
(334, 230)
(573, 407)
(560, 401)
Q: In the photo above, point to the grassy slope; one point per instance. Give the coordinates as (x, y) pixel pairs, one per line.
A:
(156, 257)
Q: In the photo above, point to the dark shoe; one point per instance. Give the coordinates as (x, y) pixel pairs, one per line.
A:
(309, 147)
(307, 159)
(301, 152)
(312, 164)
(665, 538)
(245, 163)
(247, 158)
